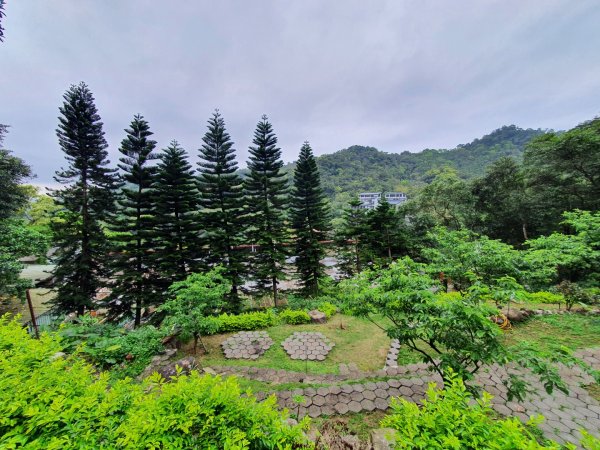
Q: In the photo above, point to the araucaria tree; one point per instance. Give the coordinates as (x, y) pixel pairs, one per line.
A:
(351, 239)
(132, 226)
(266, 193)
(85, 201)
(221, 197)
(310, 220)
(177, 229)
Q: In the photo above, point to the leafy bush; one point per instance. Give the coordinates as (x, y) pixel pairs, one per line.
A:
(447, 420)
(109, 346)
(49, 402)
(573, 294)
(193, 302)
(245, 322)
(303, 303)
(450, 296)
(328, 309)
(292, 317)
(543, 297)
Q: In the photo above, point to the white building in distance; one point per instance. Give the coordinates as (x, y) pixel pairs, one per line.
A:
(370, 200)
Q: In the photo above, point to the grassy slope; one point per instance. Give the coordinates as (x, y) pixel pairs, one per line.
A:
(359, 342)
(571, 330)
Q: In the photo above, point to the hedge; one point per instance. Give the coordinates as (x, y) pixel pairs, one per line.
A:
(49, 401)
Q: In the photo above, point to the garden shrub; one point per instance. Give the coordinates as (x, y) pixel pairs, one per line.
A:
(328, 309)
(447, 420)
(108, 345)
(544, 297)
(52, 402)
(246, 321)
(292, 317)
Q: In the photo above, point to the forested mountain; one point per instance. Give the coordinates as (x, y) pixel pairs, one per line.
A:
(360, 169)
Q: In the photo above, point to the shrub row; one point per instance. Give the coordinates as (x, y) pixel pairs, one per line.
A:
(245, 322)
(227, 323)
(294, 317)
(52, 402)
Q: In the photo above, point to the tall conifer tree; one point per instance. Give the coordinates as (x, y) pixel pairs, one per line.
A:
(385, 235)
(177, 225)
(310, 220)
(221, 197)
(86, 200)
(351, 239)
(266, 191)
(133, 224)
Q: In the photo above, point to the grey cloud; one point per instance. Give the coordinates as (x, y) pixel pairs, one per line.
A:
(398, 75)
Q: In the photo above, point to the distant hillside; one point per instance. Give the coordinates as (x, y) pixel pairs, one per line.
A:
(359, 169)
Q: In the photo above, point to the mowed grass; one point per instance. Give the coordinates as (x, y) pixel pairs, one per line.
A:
(357, 341)
(574, 331)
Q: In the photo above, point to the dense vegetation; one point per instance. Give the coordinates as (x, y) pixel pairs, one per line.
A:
(51, 401)
(197, 252)
(356, 169)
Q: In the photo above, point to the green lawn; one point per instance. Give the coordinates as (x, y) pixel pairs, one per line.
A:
(361, 342)
(356, 341)
(571, 330)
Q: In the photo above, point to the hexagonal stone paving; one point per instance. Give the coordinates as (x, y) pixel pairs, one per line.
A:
(246, 345)
(305, 345)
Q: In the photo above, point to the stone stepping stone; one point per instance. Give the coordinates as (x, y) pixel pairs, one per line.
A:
(305, 345)
(246, 345)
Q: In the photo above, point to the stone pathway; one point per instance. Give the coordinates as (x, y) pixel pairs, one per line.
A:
(391, 359)
(565, 414)
(305, 345)
(246, 345)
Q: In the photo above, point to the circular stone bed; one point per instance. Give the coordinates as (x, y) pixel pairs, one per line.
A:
(246, 345)
(307, 345)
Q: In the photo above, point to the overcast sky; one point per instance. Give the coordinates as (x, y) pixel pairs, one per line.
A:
(397, 75)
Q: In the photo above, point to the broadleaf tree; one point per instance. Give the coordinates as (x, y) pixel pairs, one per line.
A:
(193, 304)
(86, 200)
(266, 195)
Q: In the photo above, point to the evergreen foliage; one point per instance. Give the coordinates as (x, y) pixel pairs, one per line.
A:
(2, 14)
(385, 236)
(310, 220)
(221, 196)
(351, 239)
(266, 192)
(502, 202)
(13, 171)
(86, 200)
(177, 227)
(133, 225)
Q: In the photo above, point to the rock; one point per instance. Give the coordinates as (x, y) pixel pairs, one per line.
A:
(514, 315)
(383, 438)
(350, 442)
(209, 370)
(57, 355)
(291, 422)
(166, 369)
(313, 434)
(186, 364)
(317, 316)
